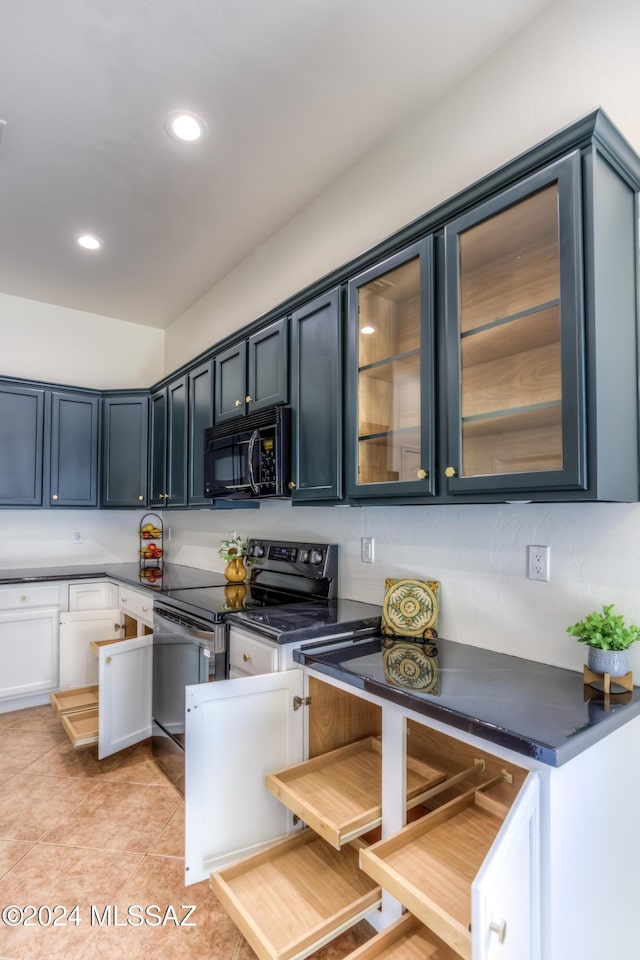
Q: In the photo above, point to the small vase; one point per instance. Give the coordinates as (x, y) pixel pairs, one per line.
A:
(235, 571)
(613, 662)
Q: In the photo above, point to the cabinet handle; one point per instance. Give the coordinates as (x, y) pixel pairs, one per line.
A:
(145, 609)
(141, 497)
(23, 597)
(500, 929)
(238, 403)
(246, 657)
(450, 472)
(421, 474)
(291, 485)
(123, 599)
(248, 399)
(116, 627)
(55, 496)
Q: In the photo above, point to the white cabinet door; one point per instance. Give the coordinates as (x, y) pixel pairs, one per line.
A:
(78, 663)
(28, 651)
(93, 596)
(505, 895)
(124, 678)
(237, 731)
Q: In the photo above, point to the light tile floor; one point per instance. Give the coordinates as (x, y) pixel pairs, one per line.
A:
(108, 835)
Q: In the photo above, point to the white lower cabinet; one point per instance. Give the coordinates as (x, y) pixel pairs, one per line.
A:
(29, 615)
(300, 849)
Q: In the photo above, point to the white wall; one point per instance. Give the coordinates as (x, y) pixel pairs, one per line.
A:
(41, 341)
(42, 538)
(574, 57)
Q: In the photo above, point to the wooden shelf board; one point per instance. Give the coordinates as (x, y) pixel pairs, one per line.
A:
(81, 728)
(74, 701)
(407, 939)
(95, 645)
(339, 794)
(295, 896)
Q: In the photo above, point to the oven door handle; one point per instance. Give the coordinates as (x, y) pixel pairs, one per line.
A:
(252, 443)
(191, 630)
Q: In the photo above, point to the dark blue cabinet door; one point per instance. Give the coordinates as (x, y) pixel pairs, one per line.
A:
(177, 443)
(73, 468)
(231, 382)
(200, 417)
(125, 432)
(268, 374)
(158, 448)
(21, 445)
(316, 389)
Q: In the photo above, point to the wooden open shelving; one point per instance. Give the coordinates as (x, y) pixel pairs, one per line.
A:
(430, 864)
(407, 939)
(78, 712)
(296, 895)
(75, 700)
(339, 794)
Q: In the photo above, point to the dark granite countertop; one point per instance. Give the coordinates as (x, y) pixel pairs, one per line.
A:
(175, 576)
(541, 711)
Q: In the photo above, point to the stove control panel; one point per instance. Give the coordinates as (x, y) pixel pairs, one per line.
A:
(310, 560)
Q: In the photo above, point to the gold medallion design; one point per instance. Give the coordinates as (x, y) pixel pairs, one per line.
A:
(412, 665)
(410, 608)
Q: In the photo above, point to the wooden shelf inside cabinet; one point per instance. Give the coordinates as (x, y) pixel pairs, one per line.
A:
(96, 645)
(430, 865)
(74, 701)
(407, 939)
(81, 728)
(339, 794)
(295, 896)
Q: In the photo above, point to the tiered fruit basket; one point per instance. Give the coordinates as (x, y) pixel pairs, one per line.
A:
(151, 550)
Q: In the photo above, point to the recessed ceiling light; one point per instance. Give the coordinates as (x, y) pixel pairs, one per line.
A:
(88, 242)
(368, 330)
(185, 126)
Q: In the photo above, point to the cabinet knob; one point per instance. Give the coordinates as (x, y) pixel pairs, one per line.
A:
(23, 598)
(238, 403)
(450, 472)
(500, 929)
(291, 485)
(421, 474)
(123, 599)
(140, 497)
(55, 496)
(145, 609)
(248, 399)
(246, 657)
(116, 627)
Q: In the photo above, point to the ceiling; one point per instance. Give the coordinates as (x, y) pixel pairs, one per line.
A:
(294, 92)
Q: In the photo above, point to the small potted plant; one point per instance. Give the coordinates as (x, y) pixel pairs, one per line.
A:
(233, 551)
(608, 639)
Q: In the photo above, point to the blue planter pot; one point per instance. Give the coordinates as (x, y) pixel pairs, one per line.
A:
(613, 662)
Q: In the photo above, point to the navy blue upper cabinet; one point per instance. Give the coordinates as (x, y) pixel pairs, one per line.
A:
(390, 383)
(316, 399)
(252, 374)
(200, 388)
(124, 454)
(21, 445)
(168, 445)
(514, 338)
(73, 460)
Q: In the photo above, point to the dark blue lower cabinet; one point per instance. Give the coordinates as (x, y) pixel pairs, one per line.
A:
(21, 445)
(124, 451)
(73, 461)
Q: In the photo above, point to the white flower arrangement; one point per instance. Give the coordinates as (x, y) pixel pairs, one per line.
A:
(232, 549)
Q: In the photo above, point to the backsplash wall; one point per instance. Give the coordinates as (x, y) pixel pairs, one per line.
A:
(477, 551)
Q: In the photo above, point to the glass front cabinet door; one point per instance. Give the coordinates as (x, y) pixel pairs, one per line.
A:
(390, 384)
(514, 340)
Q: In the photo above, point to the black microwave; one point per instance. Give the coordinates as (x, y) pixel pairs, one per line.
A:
(249, 458)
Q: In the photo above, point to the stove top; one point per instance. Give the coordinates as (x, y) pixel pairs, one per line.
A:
(216, 602)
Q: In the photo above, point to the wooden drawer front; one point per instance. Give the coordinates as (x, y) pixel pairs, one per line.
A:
(74, 701)
(136, 604)
(81, 728)
(295, 896)
(250, 656)
(430, 865)
(339, 794)
(29, 595)
(407, 939)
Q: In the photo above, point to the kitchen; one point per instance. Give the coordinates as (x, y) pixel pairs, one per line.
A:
(478, 552)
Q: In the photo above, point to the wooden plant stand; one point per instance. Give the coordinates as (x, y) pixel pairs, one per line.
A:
(626, 681)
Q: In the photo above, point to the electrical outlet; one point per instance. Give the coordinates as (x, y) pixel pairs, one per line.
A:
(538, 562)
(366, 549)
(77, 536)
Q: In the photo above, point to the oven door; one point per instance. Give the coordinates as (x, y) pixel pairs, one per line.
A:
(185, 651)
